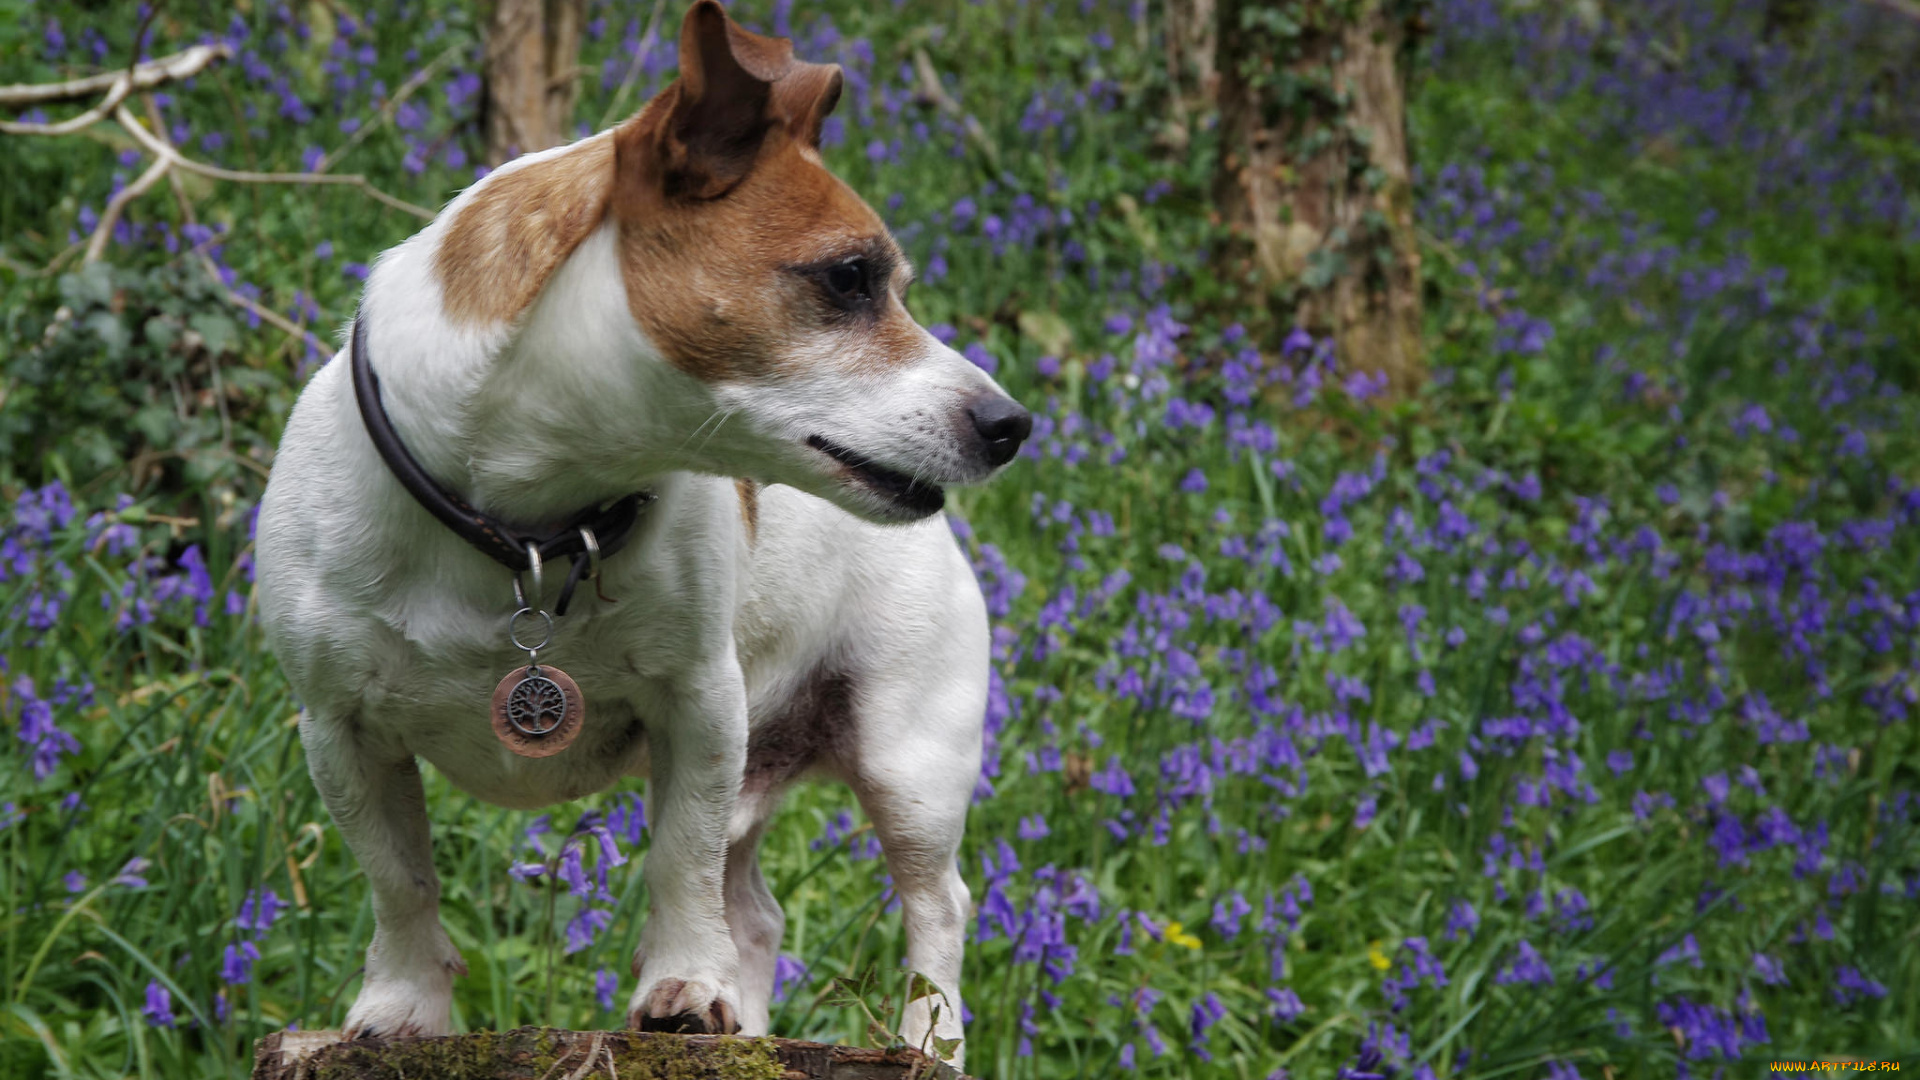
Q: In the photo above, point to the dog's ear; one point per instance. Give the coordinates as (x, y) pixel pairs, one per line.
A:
(805, 96)
(701, 136)
(801, 95)
(719, 110)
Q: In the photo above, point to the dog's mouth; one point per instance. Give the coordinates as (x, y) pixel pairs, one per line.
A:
(916, 496)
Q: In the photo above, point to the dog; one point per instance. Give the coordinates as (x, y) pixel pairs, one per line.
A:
(692, 306)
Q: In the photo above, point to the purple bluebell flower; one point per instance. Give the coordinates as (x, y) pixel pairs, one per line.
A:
(236, 966)
(585, 926)
(1207, 1012)
(259, 911)
(1113, 780)
(46, 742)
(159, 1007)
(1228, 911)
(1527, 967)
(788, 972)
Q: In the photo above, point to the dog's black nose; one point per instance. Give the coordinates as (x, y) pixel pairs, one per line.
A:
(1003, 424)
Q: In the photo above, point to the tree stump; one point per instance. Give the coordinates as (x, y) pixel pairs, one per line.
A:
(1313, 181)
(555, 1054)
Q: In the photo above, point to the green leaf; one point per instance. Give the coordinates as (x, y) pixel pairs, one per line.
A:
(919, 986)
(221, 334)
(157, 423)
(111, 331)
(161, 332)
(90, 286)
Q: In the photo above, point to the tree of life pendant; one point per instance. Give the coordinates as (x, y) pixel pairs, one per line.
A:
(537, 711)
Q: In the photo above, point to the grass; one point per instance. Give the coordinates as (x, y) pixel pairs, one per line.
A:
(1556, 721)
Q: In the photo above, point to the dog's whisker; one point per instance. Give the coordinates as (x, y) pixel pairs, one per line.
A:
(717, 419)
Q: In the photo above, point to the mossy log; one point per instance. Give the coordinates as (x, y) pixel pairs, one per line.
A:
(554, 1054)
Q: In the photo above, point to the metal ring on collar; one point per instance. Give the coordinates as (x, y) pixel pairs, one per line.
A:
(593, 553)
(520, 596)
(513, 630)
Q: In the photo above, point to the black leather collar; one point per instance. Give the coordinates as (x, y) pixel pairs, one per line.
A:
(612, 525)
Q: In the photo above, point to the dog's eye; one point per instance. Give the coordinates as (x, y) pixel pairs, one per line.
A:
(848, 281)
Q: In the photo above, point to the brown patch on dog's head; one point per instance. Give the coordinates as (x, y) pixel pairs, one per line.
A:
(730, 226)
(516, 230)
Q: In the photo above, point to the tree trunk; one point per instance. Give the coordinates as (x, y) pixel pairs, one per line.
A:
(1190, 47)
(554, 1054)
(1188, 38)
(1312, 178)
(532, 49)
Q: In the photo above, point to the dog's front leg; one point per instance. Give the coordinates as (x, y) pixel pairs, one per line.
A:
(375, 798)
(687, 964)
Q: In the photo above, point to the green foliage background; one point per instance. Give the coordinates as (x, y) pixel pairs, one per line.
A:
(1594, 386)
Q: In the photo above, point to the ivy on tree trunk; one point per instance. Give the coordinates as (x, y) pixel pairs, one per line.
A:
(1313, 180)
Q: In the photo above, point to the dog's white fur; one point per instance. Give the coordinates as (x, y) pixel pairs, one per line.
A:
(393, 630)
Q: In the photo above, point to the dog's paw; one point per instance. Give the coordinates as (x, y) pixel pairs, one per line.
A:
(388, 1009)
(405, 1001)
(685, 1007)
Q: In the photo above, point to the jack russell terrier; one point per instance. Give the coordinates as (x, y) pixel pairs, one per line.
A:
(676, 354)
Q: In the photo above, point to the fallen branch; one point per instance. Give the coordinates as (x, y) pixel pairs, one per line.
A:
(161, 148)
(103, 232)
(554, 1054)
(181, 65)
(169, 162)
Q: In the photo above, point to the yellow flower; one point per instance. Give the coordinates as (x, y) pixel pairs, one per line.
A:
(1177, 935)
(1377, 958)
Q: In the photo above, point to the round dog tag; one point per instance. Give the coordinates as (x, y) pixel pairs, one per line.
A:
(537, 711)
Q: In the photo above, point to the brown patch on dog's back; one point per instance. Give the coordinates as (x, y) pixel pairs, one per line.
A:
(517, 229)
(807, 730)
(749, 492)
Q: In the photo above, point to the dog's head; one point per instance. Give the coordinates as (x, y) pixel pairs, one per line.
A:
(756, 271)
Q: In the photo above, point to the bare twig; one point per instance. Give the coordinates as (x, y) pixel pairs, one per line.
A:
(117, 85)
(53, 265)
(272, 317)
(392, 106)
(930, 90)
(161, 148)
(103, 232)
(647, 38)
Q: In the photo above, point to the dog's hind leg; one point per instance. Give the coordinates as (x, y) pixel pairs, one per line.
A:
(914, 771)
(375, 798)
(753, 915)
